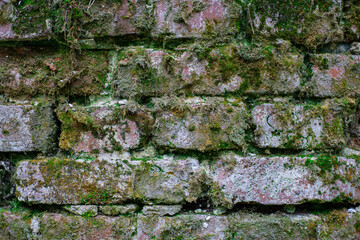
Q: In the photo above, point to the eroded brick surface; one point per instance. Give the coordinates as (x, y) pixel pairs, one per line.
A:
(27, 128)
(201, 124)
(104, 181)
(283, 180)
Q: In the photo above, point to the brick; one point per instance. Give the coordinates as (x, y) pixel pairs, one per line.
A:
(103, 127)
(107, 181)
(284, 125)
(23, 225)
(21, 22)
(27, 128)
(283, 180)
(337, 224)
(33, 71)
(311, 23)
(113, 210)
(183, 226)
(161, 210)
(354, 129)
(201, 70)
(351, 17)
(334, 75)
(201, 124)
(194, 18)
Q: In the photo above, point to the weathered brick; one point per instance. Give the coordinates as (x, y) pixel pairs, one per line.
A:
(283, 180)
(108, 181)
(21, 21)
(306, 126)
(195, 18)
(311, 23)
(354, 129)
(27, 128)
(24, 225)
(207, 71)
(351, 17)
(334, 75)
(336, 224)
(183, 226)
(200, 123)
(103, 127)
(170, 181)
(32, 71)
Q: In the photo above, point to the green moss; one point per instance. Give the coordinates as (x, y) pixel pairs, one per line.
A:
(326, 163)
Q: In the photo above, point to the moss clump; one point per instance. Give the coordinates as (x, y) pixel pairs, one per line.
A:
(326, 163)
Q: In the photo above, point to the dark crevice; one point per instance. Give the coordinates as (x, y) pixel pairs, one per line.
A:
(305, 208)
(204, 206)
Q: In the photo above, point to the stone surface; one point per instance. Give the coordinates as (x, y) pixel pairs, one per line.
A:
(103, 127)
(23, 21)
(311, 23)
(238, 68)
(161, 210)
(169, 181)
(350, 152)
(32, 71)
(114, 210)
(288, 126)
(23, 225)
(336, 224)
(352, 26)
(27, 128)
(283, 180)
(335, 75)
(200, 124)
(85, 210)
(195, 18)
(182, 226)
(91, 182)
(108, 181)
(276, 226)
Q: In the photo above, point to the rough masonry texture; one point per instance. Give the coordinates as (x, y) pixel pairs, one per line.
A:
(179, 119)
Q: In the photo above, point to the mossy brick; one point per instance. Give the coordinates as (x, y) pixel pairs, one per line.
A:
(169, 181)
(161, 210)
(237, 69)
(104, 126)
(207, 19)
(335, 224)
(126, 18)
(351, 18)
(311, 23)
(283, 180)
(33, 71)
(108, 181)
(114, 210)
(354, 130)
(183, 226)
(304, 126)
(24, 225)
(24, 21)
(27, 128)
(93, 182)
(334, 75)
(201, 124)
